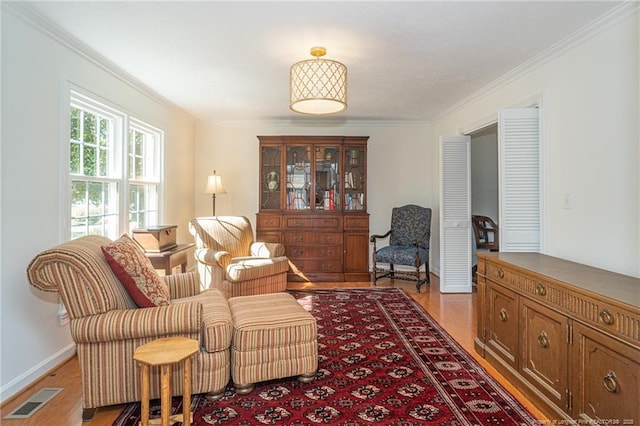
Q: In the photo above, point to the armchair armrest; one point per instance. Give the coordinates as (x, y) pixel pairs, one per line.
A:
(376, 236)
(219, 258)
(183, 285)
(178, 319)
(269, 250)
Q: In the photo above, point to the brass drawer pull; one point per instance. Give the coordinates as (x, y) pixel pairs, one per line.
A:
(543, 340)
(503, 315)
(606, 317)
(541, 290)
(500, 273)
(610, 382)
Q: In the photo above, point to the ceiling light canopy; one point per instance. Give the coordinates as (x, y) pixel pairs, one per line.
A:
(318, 86)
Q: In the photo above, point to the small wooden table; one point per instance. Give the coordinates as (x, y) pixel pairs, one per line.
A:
(171, 258)
(164, 353)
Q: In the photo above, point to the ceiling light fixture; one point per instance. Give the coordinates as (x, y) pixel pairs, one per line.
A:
(318, 86)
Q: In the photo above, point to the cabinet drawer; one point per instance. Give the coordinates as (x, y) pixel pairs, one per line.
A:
(292, 238)
(331, 222)
(269, 236)
(545, 350)
(608, 317)
(356, 223)
(269, 221)
(502, 330)
(311, 266)
(612, 319)
(507, 276)
(610, 373)
(313, 252)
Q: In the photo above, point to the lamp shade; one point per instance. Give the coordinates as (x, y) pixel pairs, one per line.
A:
(214, 185)
(318, 86)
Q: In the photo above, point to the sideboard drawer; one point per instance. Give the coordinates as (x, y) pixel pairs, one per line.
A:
(354, 223)
(313, 252)
(269, 221)
(317, 266)
(295, 238)
(314, 223)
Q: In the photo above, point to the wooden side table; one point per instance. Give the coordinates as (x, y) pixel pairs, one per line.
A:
(164, 353)
(169, 259)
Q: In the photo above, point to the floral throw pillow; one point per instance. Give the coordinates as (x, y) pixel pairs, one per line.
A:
(136, 273)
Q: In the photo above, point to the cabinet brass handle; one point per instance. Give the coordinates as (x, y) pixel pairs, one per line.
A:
(541, 290)
(610, 382)
(500, 273)
(543, 340)
(503, 315)
(606, 316)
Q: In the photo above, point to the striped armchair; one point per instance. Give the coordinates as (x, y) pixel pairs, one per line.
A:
(229, 259)
(107, 326)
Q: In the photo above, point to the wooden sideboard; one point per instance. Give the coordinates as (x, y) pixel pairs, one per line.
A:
(568, 335)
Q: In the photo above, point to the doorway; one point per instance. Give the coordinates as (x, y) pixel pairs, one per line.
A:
(519, 195)
(484, 177)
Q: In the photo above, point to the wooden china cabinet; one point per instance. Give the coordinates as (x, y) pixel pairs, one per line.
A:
(313, 200)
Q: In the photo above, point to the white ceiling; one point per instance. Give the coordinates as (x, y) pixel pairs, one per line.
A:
(406, 60)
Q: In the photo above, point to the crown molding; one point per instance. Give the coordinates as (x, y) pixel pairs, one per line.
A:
(309, 122)
(31, 17)
(602, 23)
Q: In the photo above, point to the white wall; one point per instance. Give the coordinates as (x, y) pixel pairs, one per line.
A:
(34, 69)
(590, 136)
(397, 171)
(484, 173)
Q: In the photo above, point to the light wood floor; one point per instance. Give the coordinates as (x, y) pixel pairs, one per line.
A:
(455, 312)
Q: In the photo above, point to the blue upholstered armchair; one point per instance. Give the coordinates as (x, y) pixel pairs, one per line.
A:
(408, 245)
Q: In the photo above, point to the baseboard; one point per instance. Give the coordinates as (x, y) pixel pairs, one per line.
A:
(31, 376)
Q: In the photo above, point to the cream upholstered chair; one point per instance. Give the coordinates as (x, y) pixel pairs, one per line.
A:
(229, 259)
(108, 326)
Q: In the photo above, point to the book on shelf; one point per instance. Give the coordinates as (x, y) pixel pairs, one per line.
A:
(354, 201)
(329, 199)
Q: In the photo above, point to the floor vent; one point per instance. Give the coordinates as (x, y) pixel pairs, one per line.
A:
(33, 404)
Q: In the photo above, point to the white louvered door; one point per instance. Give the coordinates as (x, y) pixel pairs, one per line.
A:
(520, 186)
(455, 215)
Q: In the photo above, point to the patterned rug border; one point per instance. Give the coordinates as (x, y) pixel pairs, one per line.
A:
(507, 402)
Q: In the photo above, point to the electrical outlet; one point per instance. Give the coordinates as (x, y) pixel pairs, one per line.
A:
(63, 319)
(567, 202)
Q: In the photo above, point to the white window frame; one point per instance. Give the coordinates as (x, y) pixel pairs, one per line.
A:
(74, 96)
(153, 161)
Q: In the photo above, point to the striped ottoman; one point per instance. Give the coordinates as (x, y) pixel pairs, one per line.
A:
(273, 337)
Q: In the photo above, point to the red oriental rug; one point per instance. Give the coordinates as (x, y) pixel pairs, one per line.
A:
(382, 360)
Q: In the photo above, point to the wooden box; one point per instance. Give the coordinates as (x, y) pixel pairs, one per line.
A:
(156, 238)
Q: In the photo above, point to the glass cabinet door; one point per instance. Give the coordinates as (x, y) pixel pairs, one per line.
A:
(327, 178)
(298, 178)
(354, 178)
(270, 191)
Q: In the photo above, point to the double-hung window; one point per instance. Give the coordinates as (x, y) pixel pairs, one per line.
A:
(114, 170)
